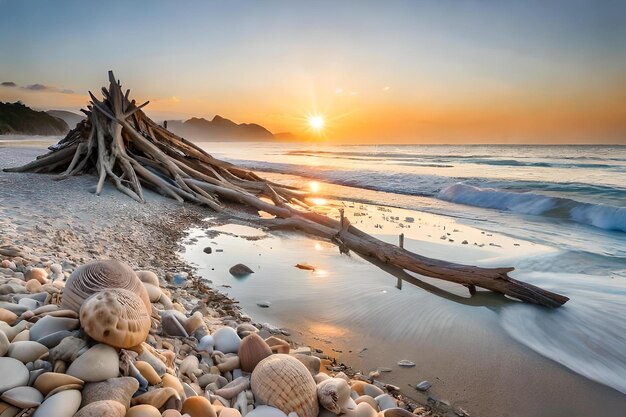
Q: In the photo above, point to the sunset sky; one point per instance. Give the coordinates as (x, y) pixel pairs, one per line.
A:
(384, 71)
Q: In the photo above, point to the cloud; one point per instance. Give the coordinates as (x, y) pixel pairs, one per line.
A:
(66, 91)
(36, 87)
(386, 88)
(8, 84)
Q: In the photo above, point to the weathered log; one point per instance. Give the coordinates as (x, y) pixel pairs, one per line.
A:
(119, 142)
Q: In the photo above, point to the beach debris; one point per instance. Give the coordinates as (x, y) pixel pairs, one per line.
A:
(405, 363)
(305, 266)
(264, 304)
(240, 270)
(423, 386)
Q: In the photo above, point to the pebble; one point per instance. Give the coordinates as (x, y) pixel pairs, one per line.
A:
(264, 304)
(4, 343)
(27, 351)
(106, 408)
(97, 364)
(14, 374)
(23, 397)
(406, 363)
(423, 386)
(62, 404)
(226, 340)
(240, 270)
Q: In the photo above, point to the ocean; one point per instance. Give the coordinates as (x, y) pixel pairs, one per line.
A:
(569, 199)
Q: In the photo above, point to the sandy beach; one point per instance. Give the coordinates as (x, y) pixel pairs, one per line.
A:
(341, 309)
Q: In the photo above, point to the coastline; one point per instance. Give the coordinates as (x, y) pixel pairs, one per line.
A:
(63, 220)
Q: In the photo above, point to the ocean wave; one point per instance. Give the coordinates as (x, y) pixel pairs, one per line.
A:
(598, 215)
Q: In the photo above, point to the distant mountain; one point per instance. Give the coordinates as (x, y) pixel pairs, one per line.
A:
(219, 128)
(16, 118)
(72, 119)
(286, 136)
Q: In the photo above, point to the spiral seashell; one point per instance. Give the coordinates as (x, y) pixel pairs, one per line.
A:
(284, 382)
(116, 317)
(90, 278)
(334, 395)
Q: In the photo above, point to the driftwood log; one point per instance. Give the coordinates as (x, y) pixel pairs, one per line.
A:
(118, 141)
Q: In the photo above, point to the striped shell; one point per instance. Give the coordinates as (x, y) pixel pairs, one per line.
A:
(283, 382)
(97, 276)
(116, 317)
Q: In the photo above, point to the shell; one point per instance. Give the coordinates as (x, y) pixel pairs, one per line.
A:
(116, 317)
(284, 382)
(97, 276)
(252, 350)
(334, 395)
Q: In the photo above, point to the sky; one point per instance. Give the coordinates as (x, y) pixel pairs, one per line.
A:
(377, 72)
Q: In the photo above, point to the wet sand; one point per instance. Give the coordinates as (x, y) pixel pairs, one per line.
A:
(352, 309)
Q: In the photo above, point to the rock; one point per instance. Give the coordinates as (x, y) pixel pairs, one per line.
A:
(14, 374)
(156, 363)
(306, 267)
(369, 400)
(4, 343)
(117, 317)
(240, 270)
(364, 409)
(144, 410)
(423, 386)
(194, 322)
(386, 401)
(118, 389)
(278, 345)
(7, 316)
(32, 286)
(154, 292)
(172, 382)
(198, 407)
(173, 323)
(245, 329)
(62, 404)
(148, 372)
(233, 388)
(395, 412)
(252, 350)
(207, 250)
(49, 325)
(226, 340)
(171, 413)
(266, 411)
(406, 363)
(229, 412)
(99, 363)
(285, 383)
(23, 397)
(39, 274)
(106, 408)
(160, 398)
(27, 351)
(56, 269)
(49, 381)
(312, 363)
(363, 388)
(206, 344)
(148, 277)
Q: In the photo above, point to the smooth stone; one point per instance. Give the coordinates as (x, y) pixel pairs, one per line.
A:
(56, 269)
(230, 412)
(198, 407)
(23, 336)
(156, 363)
(266, 411)
(23, 397)
(49, 381)
(54, 339)
(106, 408)
(143, 410)
(148, 277)
(364, 409)
(161, 398)
(396, 412)
(4, 343)
(49, 325)
(367, 399)
(226, 340)
(118, 389)
(148, 372)
(423, 386)
(312, 363)
(27, 351)
(171, 413)
(7, 316)
(386, 401)
(39, 274)
(172, 382)
(97, 364)
(173, 323)
(240, 270)
(154, 292)
(62, 404)
(29, 303)
(244, 329)
(406, 363)
(233, 388)
(206, 344)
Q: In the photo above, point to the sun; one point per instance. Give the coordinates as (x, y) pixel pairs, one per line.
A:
(317, 122)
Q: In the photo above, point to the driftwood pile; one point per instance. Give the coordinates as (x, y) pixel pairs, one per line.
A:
(118, 141)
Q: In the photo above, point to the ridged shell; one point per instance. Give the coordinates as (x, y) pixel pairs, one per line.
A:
(90, 278)
(334, 395)
(284, 382)
(116, 317)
